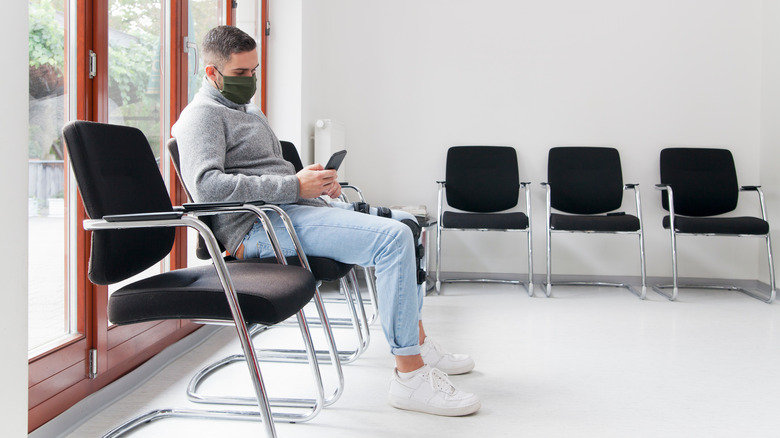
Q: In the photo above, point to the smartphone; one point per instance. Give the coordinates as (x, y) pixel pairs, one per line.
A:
(335, 160)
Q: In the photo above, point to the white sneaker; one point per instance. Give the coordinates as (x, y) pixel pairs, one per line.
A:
(430, 391)
(436, 356)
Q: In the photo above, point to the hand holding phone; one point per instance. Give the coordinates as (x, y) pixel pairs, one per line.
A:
(335, 160)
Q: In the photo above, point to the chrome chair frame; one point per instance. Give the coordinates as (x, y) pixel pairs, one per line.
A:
(358, 321)
(529, 285)
(675, 286)
(643, 272)
(189, 219)
(331, 356)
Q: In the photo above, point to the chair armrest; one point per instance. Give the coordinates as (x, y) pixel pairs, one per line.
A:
(544, 183)
(762, 203)
(345, 198)
(630, 186)
(216, 206)
(525, 184)
(139, 217)
(662, 187)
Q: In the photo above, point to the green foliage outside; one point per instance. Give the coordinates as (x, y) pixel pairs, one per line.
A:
(134, 66)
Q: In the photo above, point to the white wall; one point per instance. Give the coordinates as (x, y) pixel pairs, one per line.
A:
(408, 79)
(770, 116)
(13, 233)
(284, 73)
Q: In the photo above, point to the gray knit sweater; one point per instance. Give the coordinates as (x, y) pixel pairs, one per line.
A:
(228, 152)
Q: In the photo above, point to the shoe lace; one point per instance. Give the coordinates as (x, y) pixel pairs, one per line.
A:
(440, 381)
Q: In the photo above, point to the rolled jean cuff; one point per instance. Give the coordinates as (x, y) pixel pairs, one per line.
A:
(406, 351)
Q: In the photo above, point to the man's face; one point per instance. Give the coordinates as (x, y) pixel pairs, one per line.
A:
(240, 64)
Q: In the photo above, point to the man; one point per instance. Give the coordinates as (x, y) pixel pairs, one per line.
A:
(229, 153)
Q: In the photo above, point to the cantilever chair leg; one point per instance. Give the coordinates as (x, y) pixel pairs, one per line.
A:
(359, 322)
(641, 293)
(661, 289)
(312, 406)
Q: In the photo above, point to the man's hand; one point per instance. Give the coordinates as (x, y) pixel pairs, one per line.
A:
(315, 181)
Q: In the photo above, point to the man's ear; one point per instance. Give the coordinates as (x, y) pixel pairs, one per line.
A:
(211, 73)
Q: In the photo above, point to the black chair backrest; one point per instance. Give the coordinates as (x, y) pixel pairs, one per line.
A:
(201, 250)
(117, 173)
(173, 149)
(585, 180)
(482, 179)
(291, 154)
(704, 181)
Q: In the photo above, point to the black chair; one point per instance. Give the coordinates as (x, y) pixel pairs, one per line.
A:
(323, 269)
(586, 185)
(483, 183)
(699, 185)
(132, 229)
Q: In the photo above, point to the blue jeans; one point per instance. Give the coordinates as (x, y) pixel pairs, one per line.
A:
(362, 239)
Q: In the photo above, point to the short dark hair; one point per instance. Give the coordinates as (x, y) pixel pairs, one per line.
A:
(223, 41)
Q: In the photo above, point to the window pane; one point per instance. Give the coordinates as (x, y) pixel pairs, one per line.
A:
(203, 15)
(135, 76)
(248, 19)
(51, 304)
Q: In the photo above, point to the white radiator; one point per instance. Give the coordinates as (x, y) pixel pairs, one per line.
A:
(329, 138)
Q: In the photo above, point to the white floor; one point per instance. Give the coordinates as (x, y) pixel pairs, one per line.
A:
(590, 362)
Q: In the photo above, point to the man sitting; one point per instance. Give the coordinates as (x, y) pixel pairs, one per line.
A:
(228, 152)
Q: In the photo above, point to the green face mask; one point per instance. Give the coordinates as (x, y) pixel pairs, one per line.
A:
(238, 89)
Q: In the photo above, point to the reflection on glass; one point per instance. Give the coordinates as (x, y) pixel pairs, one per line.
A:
(134, 74)
(203, 15)
(135, 51)
(49, 301)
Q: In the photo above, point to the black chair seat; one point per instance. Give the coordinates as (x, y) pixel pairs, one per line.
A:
(718, 225)
(597, 223)
(323, 268)
(267, 293)
(495, 221)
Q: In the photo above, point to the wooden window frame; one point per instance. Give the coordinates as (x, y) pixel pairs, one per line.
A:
(59, 378)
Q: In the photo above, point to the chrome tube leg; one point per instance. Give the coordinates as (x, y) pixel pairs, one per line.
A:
(371, 285)
(257, 380)
(643, 266)
(674, 263)
(548, 289)
(241, 328)
(439, 226)
(643, 269)
(353, 314)
(332, 350)
(529, 234)
(772, 292)
(313, 365)
(438, 258)
(362, 317)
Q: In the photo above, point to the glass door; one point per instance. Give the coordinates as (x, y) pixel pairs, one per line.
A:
(136, 62)
(202, 15)
(52, 301)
